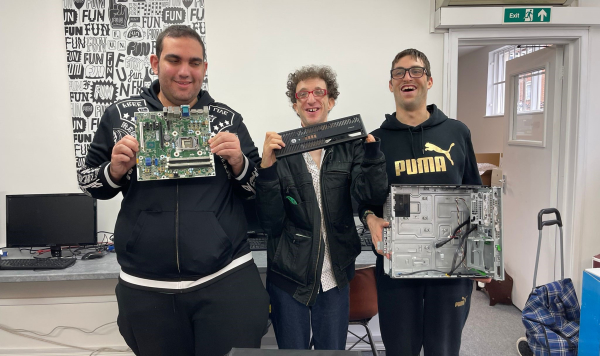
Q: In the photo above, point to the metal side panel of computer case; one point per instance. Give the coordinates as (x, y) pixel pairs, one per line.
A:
(422, 216)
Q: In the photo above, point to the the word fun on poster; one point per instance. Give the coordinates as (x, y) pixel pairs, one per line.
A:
(108, 47)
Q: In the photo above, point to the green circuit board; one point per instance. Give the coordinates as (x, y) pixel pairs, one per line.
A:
(174, 144)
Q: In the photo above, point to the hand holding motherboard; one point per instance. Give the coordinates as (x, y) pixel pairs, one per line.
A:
(227, 145)
(122, 158)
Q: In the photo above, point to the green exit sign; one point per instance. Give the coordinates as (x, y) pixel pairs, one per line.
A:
(522, 14)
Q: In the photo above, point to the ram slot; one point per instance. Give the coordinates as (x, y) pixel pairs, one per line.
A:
(160, 130)
(188, 165)
(142, 136)
(187, 159)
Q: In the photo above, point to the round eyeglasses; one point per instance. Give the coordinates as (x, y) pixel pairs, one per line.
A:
(317, 93)
(415, 72)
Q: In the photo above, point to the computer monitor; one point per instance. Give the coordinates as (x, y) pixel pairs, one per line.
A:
(50, 220)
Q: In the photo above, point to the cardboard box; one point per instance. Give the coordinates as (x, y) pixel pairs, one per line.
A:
(589, 326)
(491, 158)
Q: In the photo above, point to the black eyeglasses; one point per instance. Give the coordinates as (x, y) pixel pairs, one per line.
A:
(415, 72)
(317, 93)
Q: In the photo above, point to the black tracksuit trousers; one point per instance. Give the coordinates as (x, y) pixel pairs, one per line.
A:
(231, 312)
(428, 313)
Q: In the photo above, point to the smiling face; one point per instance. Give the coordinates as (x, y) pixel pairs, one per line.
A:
(313, 110)
(410, 93)
(181, 69)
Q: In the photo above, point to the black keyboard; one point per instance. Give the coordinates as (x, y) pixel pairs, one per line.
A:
(258, 243)
(36, 263)
(365, 242)
(365, 238)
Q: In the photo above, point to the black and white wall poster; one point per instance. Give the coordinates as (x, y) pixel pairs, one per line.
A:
(108, 47)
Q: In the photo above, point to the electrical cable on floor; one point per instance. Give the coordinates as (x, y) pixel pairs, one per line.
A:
(62, 327)
(21, 332)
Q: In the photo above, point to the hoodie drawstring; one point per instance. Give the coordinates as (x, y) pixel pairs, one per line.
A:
(422, 146)
(412, 146)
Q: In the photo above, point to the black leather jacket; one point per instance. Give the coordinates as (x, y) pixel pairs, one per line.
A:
(290, 215)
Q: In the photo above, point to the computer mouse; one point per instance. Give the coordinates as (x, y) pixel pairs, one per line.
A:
(92, 255)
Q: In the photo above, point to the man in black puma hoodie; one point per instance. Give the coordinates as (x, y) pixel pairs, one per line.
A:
(421, 146)
(188, 284)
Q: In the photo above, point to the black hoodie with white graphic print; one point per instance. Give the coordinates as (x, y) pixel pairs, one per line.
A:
(173, 229)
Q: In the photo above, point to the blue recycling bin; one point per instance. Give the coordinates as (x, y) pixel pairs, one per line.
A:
(589, 327)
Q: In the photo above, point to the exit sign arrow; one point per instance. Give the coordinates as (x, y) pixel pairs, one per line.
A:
(542, 14)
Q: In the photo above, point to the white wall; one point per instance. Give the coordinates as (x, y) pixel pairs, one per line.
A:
(588, 171)
(35, 129)
(486, 132)
(587, 3)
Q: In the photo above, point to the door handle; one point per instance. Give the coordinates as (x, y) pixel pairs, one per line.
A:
(503, 181)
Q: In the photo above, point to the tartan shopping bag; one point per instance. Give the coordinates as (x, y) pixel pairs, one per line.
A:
(551, 314)
(551, 317)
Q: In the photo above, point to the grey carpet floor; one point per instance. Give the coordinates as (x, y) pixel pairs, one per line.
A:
(490, 330)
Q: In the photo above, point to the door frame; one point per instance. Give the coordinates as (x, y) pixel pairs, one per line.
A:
(567, 199)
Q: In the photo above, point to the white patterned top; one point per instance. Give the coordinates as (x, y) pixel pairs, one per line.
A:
(327, 278)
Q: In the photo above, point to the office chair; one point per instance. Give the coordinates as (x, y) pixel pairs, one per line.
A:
(363, 303)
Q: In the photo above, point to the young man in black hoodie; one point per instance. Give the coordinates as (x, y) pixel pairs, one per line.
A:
(181, 243)
(422, 146)
(305, 208)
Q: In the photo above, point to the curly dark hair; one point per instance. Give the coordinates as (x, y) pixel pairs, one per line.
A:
(310, 72)
(416, 55)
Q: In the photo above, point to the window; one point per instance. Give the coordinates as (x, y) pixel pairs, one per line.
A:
(528, 122)
(532, 100)
(496, 76)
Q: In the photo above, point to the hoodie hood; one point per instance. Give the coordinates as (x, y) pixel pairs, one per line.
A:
(436, 117)
(151, 97)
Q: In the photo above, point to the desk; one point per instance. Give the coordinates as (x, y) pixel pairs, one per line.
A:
(108, 268)
(101, 268)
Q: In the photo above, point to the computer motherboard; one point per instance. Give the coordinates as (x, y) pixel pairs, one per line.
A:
(174, 143)
(443, 231)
